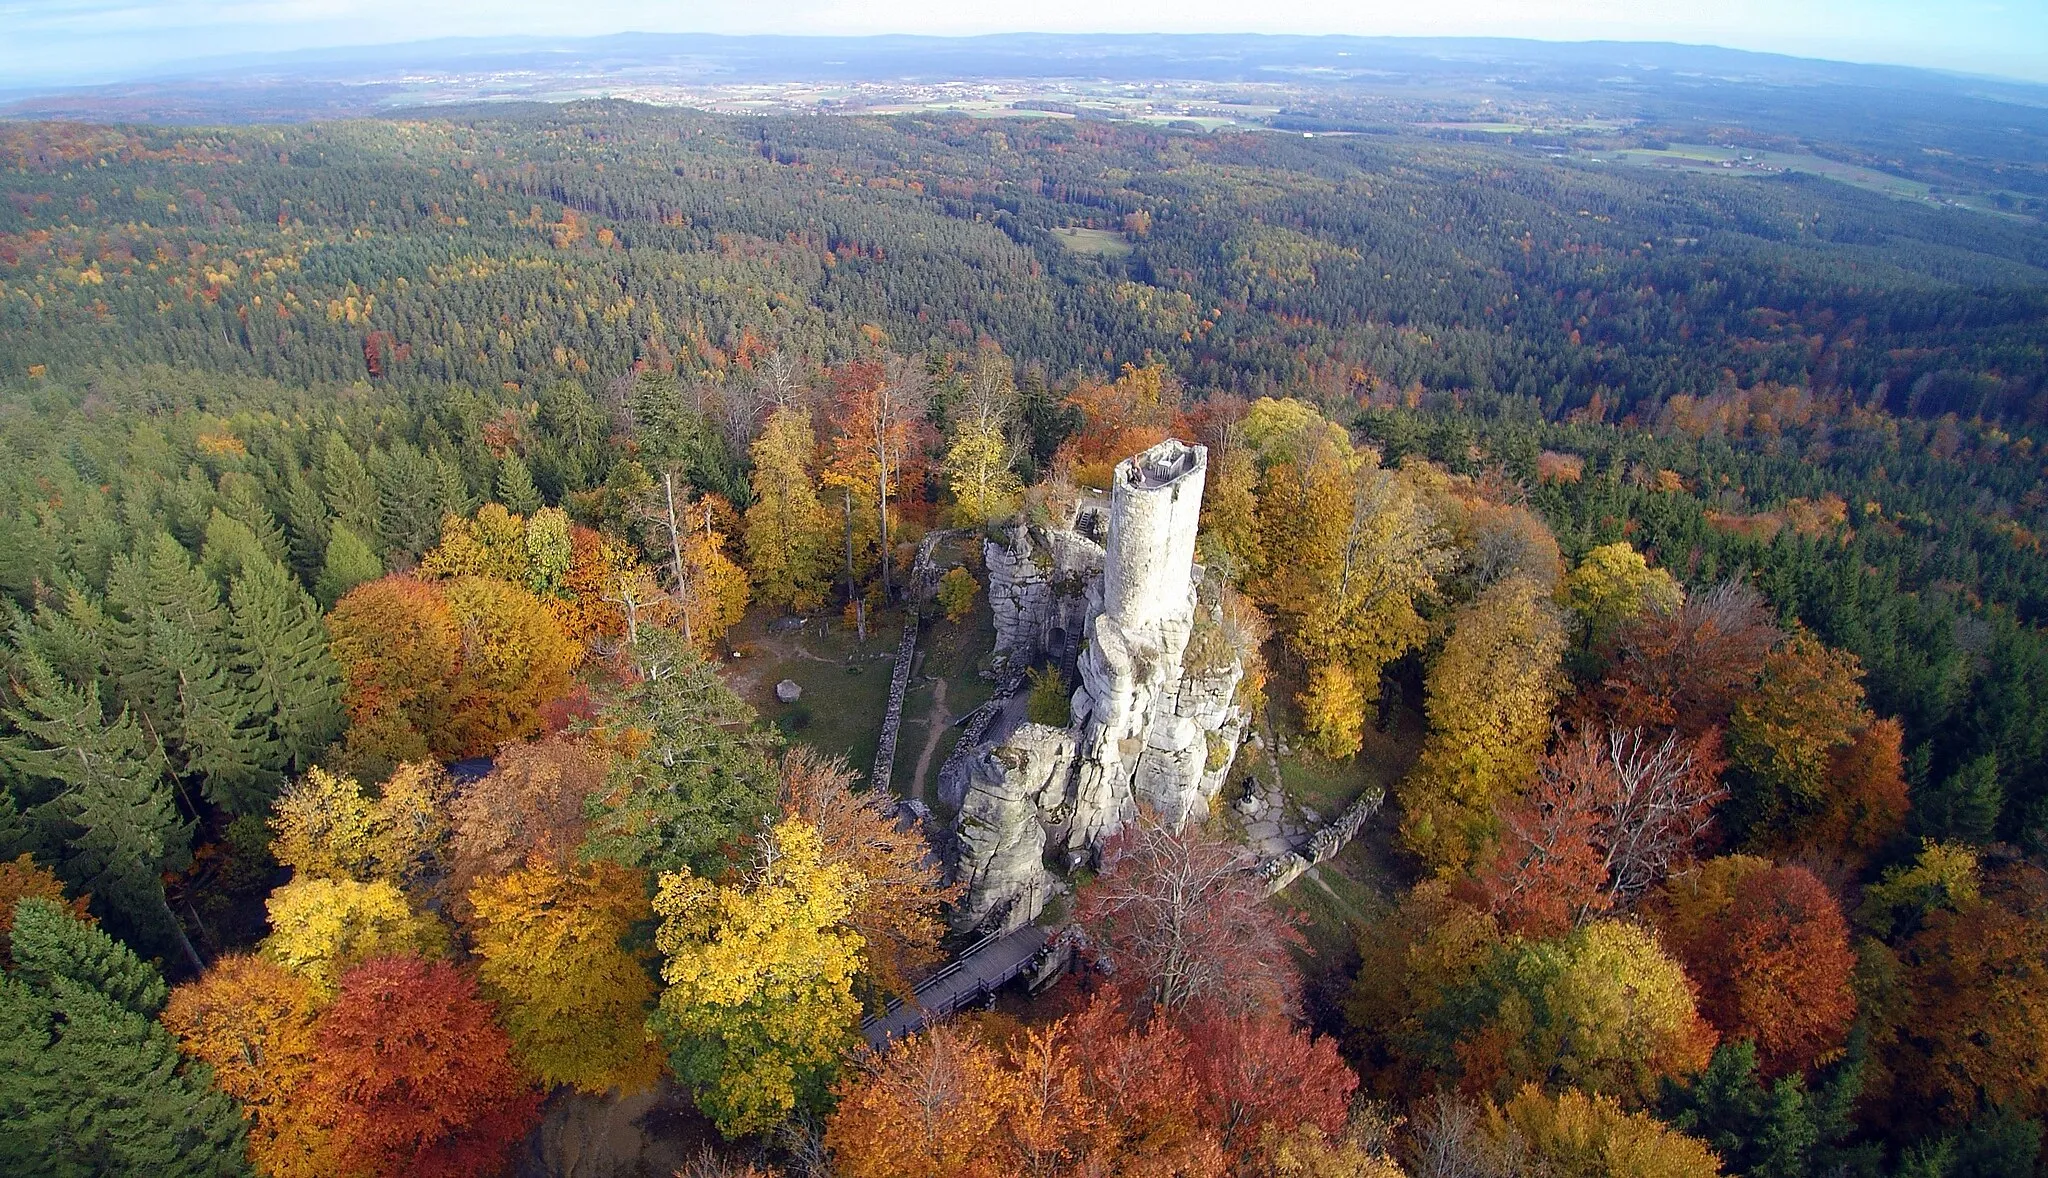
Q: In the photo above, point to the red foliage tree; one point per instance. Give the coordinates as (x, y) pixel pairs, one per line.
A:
(1686, 668)
(1178, 912)
(1769, 950)
(1260, 1073)
(1610, 816)
(414, 1075)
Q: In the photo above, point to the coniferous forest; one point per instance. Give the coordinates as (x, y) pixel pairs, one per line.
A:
(392, 511)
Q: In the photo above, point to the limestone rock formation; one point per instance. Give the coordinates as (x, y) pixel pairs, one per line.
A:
(1155, 720)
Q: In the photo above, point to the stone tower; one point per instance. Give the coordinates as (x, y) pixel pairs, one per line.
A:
(1154, 715)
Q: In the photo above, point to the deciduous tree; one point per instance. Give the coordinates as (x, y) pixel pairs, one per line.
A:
(1769, 950)
(320, 927)
(1614, 586)
(759, 1005)
(1178, 911)
(415, 1077)
(1687, 668)
(789, 534)
(1490, 694)
(528, 807)
(1576, 1135)
(1611, 814)
(551, 942)
(253, 1021)
(899, 912)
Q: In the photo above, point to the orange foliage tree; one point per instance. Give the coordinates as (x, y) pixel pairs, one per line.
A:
(1973, 1032)
(1769, 950)
(1119, 418)
(529, 805)
(942, 1104)
(414, 1075)
(878, 411)
(445, 670)
(253, 1020)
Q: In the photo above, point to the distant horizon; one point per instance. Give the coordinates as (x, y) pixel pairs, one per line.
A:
(78, 43)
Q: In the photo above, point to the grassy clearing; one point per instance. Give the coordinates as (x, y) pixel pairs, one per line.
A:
(1099, 242)
(845, 682)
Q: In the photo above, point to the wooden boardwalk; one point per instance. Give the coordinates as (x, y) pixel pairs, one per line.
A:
(971, 977)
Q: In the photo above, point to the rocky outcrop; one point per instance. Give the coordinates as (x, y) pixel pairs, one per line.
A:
(1001, 837)
(1038, 581)
(1155, 720)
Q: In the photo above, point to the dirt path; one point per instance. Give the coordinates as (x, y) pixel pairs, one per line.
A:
(935, 722)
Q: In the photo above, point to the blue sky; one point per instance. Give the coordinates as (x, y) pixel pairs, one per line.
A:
(44, 41)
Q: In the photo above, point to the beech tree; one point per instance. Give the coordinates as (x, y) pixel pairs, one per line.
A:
(415, 1077)
(899, 913)
(550, 939)
(253, 1021)
(320, 928)
(529, 807)
(1769, 949)
(1490, 695)
(1576, 1135)
(1687, 668)
(878, 408)
(940, 1104)
(1602, 1009)
(1613, 586)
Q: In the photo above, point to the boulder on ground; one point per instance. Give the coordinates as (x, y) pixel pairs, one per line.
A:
(788, 691)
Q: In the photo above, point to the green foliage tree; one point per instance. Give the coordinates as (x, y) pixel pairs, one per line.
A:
(90, 1083)
(348, 562)
(692, 776)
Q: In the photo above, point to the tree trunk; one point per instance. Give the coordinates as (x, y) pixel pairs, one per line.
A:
(675, 550)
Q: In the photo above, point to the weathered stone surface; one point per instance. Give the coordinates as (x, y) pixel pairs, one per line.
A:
(788, 691)
(1154, 714)
(1001, 837)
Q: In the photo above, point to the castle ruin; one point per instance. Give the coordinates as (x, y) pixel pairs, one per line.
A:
(1121, 606)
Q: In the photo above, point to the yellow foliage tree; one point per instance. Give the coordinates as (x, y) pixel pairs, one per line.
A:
(1490, 695)
(759, 1005)
(575, 1001)
(789, 535)
(718, 588)
(978, 472)
(253, 1020)
(1344, 549)
(515, 657)
(1333, 711)
(325, 825)
(1613, 586)
(321, 927)
(491, 545)
(1573, 1135)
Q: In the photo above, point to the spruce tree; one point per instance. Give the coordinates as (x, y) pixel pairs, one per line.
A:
(515, 487)
(409, 499)
(106, 781)
(242, 500)
(307, 521)
(349, 562)
(48, 943)
(279, 652)
(346, 485)
(1965, 805)
(90, 1083)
